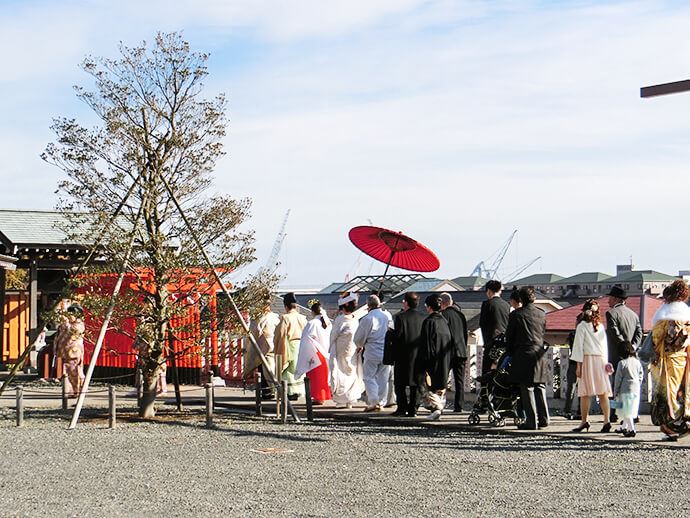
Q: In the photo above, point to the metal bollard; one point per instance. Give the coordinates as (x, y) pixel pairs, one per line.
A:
(20, 406)
(257, 396)
(284, 401)
(307, 395)
(64, 392)
(111, 406)
(209, 405)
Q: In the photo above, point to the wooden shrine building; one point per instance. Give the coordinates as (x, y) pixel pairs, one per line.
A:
(33, 240)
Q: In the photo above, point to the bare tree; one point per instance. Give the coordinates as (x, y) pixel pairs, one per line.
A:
(155, 126)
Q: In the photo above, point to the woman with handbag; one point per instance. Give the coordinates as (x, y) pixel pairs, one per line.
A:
(670, 407)
(590, 351)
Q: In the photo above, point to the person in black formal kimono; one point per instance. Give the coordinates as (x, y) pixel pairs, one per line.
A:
(435, 355)
(402, 347)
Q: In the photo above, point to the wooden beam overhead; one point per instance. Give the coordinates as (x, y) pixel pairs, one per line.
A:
(665, 89)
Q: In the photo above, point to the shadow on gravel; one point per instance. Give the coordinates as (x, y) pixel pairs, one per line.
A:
(439, 438)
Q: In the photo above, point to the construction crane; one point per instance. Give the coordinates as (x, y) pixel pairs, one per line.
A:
(515, 274)
(491, 272)
(272, 263)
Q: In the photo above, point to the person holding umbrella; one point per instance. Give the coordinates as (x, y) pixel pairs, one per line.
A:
(370, 338)
(403, 344)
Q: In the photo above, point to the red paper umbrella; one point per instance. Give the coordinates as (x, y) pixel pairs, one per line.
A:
(394, 248)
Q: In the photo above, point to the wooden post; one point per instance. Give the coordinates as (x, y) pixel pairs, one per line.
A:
(212, 306)
(257, 394)
(209, 405)
(307, 395)
(284, 401)
(111, 406)
(279, 379)
(64, 392)
(173, 364)
(20, 406)
(33, 300)
(2, 310)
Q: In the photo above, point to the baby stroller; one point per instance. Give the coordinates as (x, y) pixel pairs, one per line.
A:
(497, 397)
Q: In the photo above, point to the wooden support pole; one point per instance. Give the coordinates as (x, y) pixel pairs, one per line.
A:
(307, 395)
(223, 287)
(33, 301)
(112, 405)
(279, 380)
(20, 406)
(16, 366)
(106, 320)
(64, 391)
(2, 310)
(257, 395)
(212, 305)
(209, 405)
(284, 401)
(176, 375)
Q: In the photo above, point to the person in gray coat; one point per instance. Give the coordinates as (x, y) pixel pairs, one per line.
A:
(529, 367)
(626, 388)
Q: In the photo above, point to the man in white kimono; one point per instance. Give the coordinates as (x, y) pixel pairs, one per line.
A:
(371, 337)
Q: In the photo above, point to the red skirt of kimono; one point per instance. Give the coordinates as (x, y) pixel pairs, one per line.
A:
(318, 381)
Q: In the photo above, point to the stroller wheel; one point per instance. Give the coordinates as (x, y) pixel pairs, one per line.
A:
(492, 418)
(500, 422)
(517, 421)
(473, 419)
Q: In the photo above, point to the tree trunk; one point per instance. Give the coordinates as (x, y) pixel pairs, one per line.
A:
(147, 407)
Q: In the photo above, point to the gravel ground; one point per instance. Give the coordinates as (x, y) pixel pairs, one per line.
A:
(179, 468)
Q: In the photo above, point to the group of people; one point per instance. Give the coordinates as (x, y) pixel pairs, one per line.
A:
(416, 352)
(605, 362)
(348, 357)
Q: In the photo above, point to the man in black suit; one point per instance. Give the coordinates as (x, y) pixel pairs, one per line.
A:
(458, 330)
(529, 367)
(493, 319)
(402, 348)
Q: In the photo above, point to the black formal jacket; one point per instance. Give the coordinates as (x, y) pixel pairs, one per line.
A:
(493, 320)
(437, 350)
(525, 341)
(458, 329)
(402, 346)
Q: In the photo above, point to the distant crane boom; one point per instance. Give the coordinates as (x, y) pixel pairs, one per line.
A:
(514, 275)
(492, 271)
(272, 262)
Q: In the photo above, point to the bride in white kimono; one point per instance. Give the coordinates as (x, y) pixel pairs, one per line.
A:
(313, 354)
(345, 364)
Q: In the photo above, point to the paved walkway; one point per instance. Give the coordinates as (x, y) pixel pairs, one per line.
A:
(237, 400)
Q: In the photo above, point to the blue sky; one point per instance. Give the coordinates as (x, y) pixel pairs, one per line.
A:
(454, 121)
